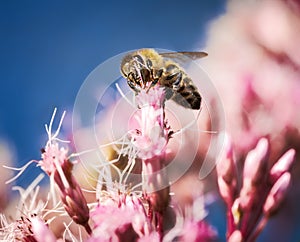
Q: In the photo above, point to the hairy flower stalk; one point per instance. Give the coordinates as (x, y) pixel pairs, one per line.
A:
(262, 192)
(59, 168)
(150, 137)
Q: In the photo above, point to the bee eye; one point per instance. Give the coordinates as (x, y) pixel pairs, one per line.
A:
(139, 59)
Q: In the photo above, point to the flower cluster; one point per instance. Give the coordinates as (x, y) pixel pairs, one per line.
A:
(59, 168)
(246, 53)
(253, 175)
(29, 209)
(120, 217)
(117, 212)
(261, 193)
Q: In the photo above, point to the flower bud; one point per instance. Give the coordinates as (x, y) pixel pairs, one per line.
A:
(282, 165)
(236, 236)
(226, 166)
(225, 191)
(256, 162)
(236, 211)
(277, 194)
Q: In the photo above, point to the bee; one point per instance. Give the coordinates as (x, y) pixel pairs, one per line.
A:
(145, 68)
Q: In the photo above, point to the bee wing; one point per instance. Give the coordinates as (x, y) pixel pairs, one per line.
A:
(184, 56)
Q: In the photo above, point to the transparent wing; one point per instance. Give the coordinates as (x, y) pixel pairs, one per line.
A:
(184, 56)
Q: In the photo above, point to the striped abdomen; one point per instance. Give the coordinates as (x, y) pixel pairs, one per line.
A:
(180, 88)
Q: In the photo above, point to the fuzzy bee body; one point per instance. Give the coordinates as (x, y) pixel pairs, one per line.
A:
(145, 68)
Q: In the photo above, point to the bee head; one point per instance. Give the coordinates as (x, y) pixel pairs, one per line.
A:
(133, 68)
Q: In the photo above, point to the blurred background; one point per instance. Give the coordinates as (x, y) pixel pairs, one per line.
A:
(49, 48)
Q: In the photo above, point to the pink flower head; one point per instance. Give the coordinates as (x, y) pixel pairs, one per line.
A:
(255, 68)
(260, 195)
(41, 231)
(113, 224)
(197, 231)
(150, 133)
(59, 167)
(29, 208)
(53, 156)
(119, 218)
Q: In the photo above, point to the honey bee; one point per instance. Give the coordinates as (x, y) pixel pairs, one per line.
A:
(145, 68)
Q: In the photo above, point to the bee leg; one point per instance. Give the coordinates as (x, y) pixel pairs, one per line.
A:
(153, 83)
(132, 86)
(156, 74)
(145, 73)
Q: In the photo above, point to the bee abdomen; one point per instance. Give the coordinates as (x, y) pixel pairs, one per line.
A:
(195, 101)
(187, 94)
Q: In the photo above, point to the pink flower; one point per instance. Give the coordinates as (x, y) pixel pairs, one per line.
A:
(277, 194)
(261, 194)
(120, 217)
(53, 158)
(59, 167)
(192, 227)
(113, 224)
(255, 68)
(41, 231)
(150, 139)
(149, 131)
(197, 231)
(30, 207)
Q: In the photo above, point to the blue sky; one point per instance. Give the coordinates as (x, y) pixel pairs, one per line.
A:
(48, 49)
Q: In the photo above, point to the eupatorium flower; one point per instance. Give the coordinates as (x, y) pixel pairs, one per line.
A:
(192, 226)
(149, 130)
(261, 193)
(120, 217)
(19, 226)
(150, 135)
(255, 68)
(59, 167)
